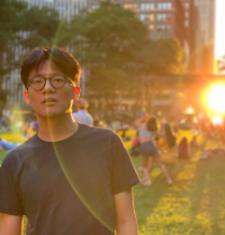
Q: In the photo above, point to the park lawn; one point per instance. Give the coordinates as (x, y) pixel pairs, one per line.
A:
(194, 205)
(2, 155)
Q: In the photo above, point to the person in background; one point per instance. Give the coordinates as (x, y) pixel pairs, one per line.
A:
(148, 148)
(169, 135)
(6, 145)
(82, 115)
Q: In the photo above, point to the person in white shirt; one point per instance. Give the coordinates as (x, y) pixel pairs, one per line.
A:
(82, 115)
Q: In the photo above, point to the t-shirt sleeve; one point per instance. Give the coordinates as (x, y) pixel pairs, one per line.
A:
(9, 195)
(124, 175)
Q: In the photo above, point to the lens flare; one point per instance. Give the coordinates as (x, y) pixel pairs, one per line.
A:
(217, 120)
(214, 98)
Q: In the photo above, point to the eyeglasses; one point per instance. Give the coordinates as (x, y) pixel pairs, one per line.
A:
(58, 81)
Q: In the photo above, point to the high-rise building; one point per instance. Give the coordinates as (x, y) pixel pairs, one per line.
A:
(190, 21)
(66, 8)
(205, 38)
(164, 18)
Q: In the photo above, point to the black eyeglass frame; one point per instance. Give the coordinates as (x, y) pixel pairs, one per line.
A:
(65, 80)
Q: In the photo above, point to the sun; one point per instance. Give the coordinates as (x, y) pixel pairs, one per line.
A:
(214, 98)
(217, 120)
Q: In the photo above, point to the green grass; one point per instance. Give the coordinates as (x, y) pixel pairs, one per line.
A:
(2, 155)
(194, 205)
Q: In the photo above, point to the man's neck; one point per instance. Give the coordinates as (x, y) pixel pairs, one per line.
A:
(56, 128)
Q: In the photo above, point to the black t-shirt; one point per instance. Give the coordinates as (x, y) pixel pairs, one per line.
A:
(67, 187)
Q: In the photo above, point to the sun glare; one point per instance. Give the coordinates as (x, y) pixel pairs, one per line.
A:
(214, 98)
(217, 120)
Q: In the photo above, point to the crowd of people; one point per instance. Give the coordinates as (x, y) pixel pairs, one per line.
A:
(155, 139)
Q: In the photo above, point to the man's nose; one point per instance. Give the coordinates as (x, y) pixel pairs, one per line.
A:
(48, 85)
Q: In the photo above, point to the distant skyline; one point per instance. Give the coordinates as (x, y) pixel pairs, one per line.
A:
(220, 29)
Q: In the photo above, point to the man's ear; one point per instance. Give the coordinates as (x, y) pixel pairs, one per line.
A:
(26, 97)
(76, 93)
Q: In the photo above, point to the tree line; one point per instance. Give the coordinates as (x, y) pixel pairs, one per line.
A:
(113, 45)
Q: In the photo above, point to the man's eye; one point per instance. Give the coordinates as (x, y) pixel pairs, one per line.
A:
(58, 79)
(37, 80)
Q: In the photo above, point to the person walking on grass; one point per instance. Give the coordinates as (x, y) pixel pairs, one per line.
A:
(150, 153)
(69, 178)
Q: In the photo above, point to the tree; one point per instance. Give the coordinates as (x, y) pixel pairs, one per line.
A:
(41, 27)
(115, 47)
(11, 21)
(165, 57)
(16, 19)
(22, 28)
(107, 41)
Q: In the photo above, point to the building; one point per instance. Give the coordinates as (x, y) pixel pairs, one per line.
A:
(165, 19)
(205, 38)
(66, 8)
(192, 22)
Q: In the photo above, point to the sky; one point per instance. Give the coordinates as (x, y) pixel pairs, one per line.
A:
(220, 29)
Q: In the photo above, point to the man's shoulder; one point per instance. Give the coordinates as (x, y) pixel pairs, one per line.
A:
(97, 131)
(19, 153)
(29, 143)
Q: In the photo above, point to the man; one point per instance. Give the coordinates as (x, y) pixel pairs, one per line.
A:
(82, 115)
(69, 179)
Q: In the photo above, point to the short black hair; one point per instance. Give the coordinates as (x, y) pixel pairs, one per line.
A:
(64, 60)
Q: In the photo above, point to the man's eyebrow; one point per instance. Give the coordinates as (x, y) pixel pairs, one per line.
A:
(48, 75)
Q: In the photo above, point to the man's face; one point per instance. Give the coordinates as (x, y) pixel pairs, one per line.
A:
(49, 102)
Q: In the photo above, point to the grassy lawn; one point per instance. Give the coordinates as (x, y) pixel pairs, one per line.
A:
(2, 155)
(194, 205)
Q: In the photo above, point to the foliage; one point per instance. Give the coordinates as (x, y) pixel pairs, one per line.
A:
(22, 28)
(165, 57)
(46, 21)
(111, 43)
(107, 41)
(11, 20)
(116, 49)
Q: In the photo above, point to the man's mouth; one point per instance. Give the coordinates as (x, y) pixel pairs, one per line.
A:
(49, 101)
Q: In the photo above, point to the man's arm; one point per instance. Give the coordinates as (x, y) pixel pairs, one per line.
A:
(10, 224)
(126, 223)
